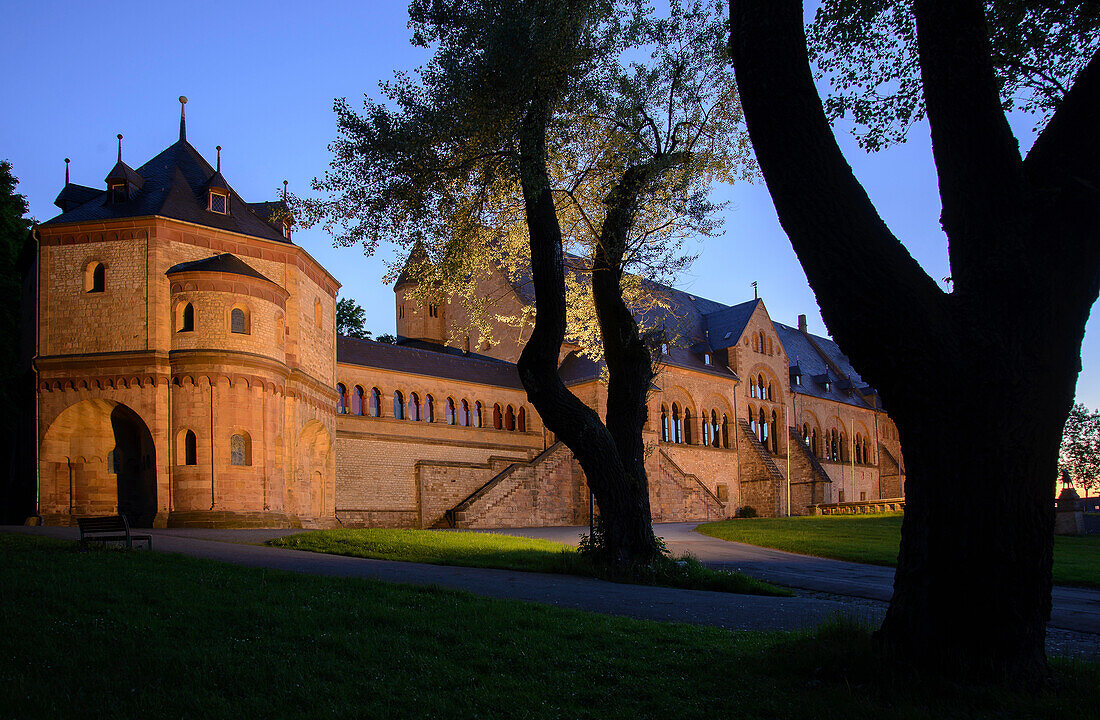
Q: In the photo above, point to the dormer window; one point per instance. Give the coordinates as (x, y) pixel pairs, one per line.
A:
(118, 193)
(286, 229)
(664, 349)
(828, 386)
(706, 358)
(798, 379)
(219, 203)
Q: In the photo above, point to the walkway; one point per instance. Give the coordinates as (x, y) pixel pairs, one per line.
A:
(1074, 608)
(726, 610)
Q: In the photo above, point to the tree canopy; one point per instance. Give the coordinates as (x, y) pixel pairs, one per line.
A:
(1079, 455)
(351, 319)
(867, 50)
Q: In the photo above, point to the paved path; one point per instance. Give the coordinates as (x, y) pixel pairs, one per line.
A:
(1074, 608)
(1076, 612)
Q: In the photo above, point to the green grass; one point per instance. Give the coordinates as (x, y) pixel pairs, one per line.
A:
(507, 552)
(874, 539)
(108, 633)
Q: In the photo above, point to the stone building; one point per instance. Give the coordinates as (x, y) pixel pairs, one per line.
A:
(189, 374)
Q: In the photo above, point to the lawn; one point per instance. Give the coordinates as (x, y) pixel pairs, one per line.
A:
(147, 635)
(874, 539)
(489, 550)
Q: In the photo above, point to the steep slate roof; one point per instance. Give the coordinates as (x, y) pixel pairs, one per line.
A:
(75, 195)
(226, 263)
(173, 185)
(800, 350)
(725, 326)
(402, 358)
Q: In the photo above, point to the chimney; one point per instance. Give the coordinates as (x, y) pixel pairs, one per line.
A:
(802, 323)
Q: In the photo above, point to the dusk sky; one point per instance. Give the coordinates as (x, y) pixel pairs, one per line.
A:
(261, 78)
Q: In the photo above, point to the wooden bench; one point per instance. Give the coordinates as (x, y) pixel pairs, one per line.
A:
(114, 528)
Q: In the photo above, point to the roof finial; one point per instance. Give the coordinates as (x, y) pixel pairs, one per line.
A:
(219, 158)
(119, 147)
(284, 189)
(183, 117)
(755, 294)
(66, 171)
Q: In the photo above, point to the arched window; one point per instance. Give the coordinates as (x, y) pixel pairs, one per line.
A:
(342, 400)
(725, 432)
(509, 418)
(498, 417)
(665, 434)
(186, 322)
(775, 432)
(449, 412)
(240, 450)
(752, 419)
(476, 419)
(95, 278)
(762, 425)
(752, 387)
(464, 414)
(677, 428)
(707, 435)
(806, 434)
(398, 405)
(843, 447)
(238, 321)
(813, 443)
(715, 439)
(771, 392)
(414, 407)
(522, 419)
(760, 385)
(427, 411)
(190, 449)
(357, 401)
(375, 403)
(687, 426)
(112, 461)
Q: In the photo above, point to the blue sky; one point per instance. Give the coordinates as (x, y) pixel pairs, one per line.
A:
(261, 78)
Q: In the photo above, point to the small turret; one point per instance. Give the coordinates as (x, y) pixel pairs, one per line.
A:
(417, 319)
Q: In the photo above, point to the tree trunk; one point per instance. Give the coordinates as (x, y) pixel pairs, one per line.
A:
(623, 500)
(978, 381)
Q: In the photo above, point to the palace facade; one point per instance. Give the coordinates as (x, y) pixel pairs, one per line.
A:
(188, 373)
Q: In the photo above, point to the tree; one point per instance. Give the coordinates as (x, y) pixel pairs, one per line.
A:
(350, 319)
(14, 227)
(1079, 455)
(526, 134)
(955, 370)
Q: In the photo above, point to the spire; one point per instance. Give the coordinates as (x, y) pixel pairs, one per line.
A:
(183, 117)
(66, 171)
(119, 147)
(284, 190)
(219, 149)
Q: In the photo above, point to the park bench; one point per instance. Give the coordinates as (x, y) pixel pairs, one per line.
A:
(114, 528)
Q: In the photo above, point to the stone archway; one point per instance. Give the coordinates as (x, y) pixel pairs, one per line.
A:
(315, 473)
(98, 458)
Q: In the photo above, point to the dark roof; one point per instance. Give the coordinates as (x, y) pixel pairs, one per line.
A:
(814, 367)
(122, 171)
(218, 182)
(417, 256)
(724, 327)
(402, 358)
(225, 263)
(577, 368)
(173, 185)
(72, 195)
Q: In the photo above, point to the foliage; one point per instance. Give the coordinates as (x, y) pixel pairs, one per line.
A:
(474, 549)
(747, 511)
(1079, 454)
(438, 160)
(386, 338)
(350, 319)
(867, 49)
(875, 539)
(13, 238)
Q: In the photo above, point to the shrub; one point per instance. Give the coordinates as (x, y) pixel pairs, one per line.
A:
(747, 512)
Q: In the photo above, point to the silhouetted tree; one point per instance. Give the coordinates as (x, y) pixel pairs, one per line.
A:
(351, 319)
(978, 380)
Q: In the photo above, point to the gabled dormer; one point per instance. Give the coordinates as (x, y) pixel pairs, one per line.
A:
(217, 190)
(122, 182)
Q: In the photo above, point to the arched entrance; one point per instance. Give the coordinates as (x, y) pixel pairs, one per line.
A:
(316, 470)
(98, 458)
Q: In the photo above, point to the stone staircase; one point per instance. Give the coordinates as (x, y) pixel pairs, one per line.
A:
(519, 484)
(697, 500)
(815, 465)
(761, 452)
